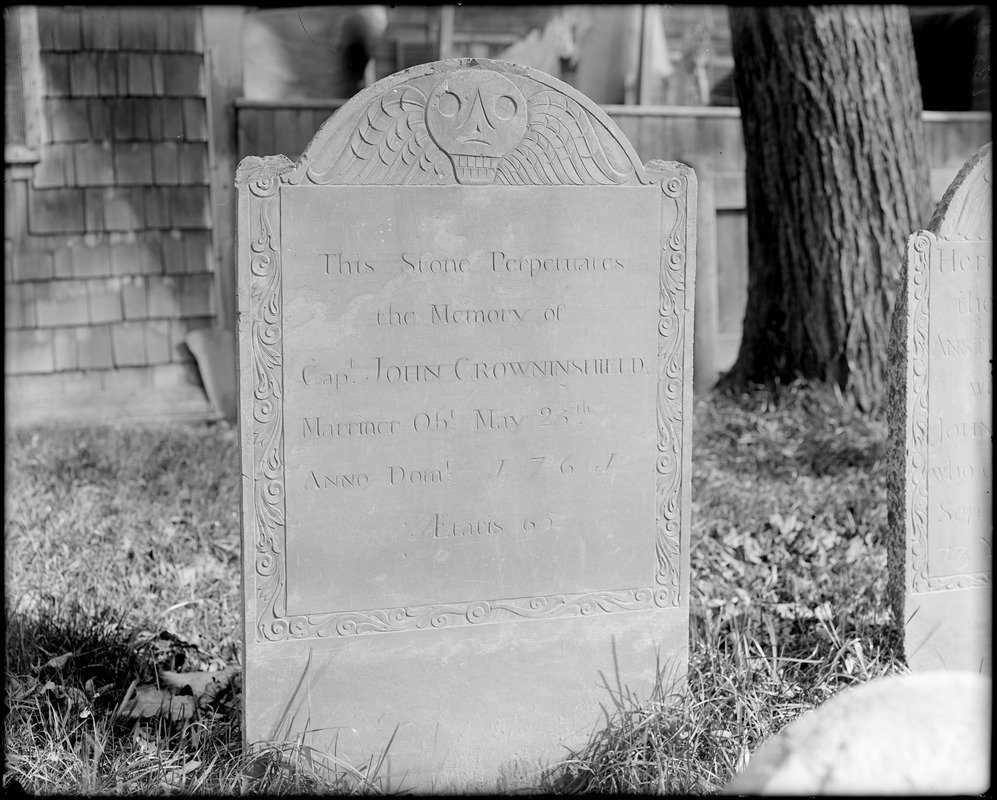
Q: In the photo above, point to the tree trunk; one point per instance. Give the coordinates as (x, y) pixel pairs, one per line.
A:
(837, 178)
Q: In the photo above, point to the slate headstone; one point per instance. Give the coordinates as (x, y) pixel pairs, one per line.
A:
(465, 347)
(941, 432)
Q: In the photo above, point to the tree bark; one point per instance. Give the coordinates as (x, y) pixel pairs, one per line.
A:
(836, 178)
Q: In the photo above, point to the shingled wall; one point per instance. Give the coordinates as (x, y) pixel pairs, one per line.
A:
(108, 237)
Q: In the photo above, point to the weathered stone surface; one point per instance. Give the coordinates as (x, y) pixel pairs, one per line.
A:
(941, 434)
(921, 734)
(465, 347)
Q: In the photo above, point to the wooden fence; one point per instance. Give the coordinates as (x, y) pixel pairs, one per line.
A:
(709, 139)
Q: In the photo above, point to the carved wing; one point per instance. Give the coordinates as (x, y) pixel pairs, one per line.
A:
(390, 145)
(561, 147)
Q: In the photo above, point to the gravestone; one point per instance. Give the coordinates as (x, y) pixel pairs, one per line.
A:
(465, 348)
(941, 432)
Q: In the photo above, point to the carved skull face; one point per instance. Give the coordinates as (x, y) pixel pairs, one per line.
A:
(476, 118)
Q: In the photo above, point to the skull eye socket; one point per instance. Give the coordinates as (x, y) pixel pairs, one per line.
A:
(449, 104)
(505, 107)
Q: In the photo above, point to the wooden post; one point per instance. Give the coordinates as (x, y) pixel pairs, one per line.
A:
(446, 31)
(643, 84)
(222, 28)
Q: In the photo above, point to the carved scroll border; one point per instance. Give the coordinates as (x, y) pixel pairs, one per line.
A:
(266, 320)
(671, 352)
(272, 621)
(917, 431)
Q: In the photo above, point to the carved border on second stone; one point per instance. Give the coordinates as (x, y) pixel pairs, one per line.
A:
(272, 622)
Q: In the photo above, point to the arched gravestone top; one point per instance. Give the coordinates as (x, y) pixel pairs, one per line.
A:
(473, 122)
(939, 457)
(462, 123)
(966, 208)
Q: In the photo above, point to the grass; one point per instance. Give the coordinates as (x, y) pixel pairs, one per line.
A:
(122, 550)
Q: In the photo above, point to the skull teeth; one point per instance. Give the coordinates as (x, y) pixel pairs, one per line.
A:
(475, 169)
(471, 162)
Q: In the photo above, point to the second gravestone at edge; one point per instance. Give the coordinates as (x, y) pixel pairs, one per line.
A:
(941, 432)
(465, 347)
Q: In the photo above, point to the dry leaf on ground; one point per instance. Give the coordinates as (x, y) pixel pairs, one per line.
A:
(148, 700)
(56, 662)
(205, 686)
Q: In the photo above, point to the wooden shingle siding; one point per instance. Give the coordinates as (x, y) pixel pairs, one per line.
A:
(19, 305)
(55, 69)
(158, 201)
(99, 29)
(135, 33)
(105, 301)
(93, 347)
(166, 162)
(172, 254)
(29, 350)
(128, 344)
(108, 237)
(68, 119)
(62, 260)
(134, 298)
(193, 157)
(83, 81)
(123, 208)
(161, 296)
(196, 295)
(195, 121)
(196, 251)
(134, 254)
(56, 211)
(56, 169)
(59, 29)
(32, 266)
(184, 74)
(94, 162)
(190, 207)
(64, 345)
(91, 260)
(157, 342)
(61, 303)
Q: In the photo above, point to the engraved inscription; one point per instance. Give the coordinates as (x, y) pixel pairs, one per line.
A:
(496, 261)
(382, 370)
(314, 427)
(959, 419)
(355, 480)
(445, 314)
(420, 476)
(337, 264)
(492, 421)
(428, 265)
(950, 260)
(455, 405)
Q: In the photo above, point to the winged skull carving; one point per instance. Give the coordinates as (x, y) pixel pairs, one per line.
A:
(390, 145)
(476, 128)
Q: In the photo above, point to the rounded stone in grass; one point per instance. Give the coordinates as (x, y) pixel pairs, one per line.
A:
(927, 733)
